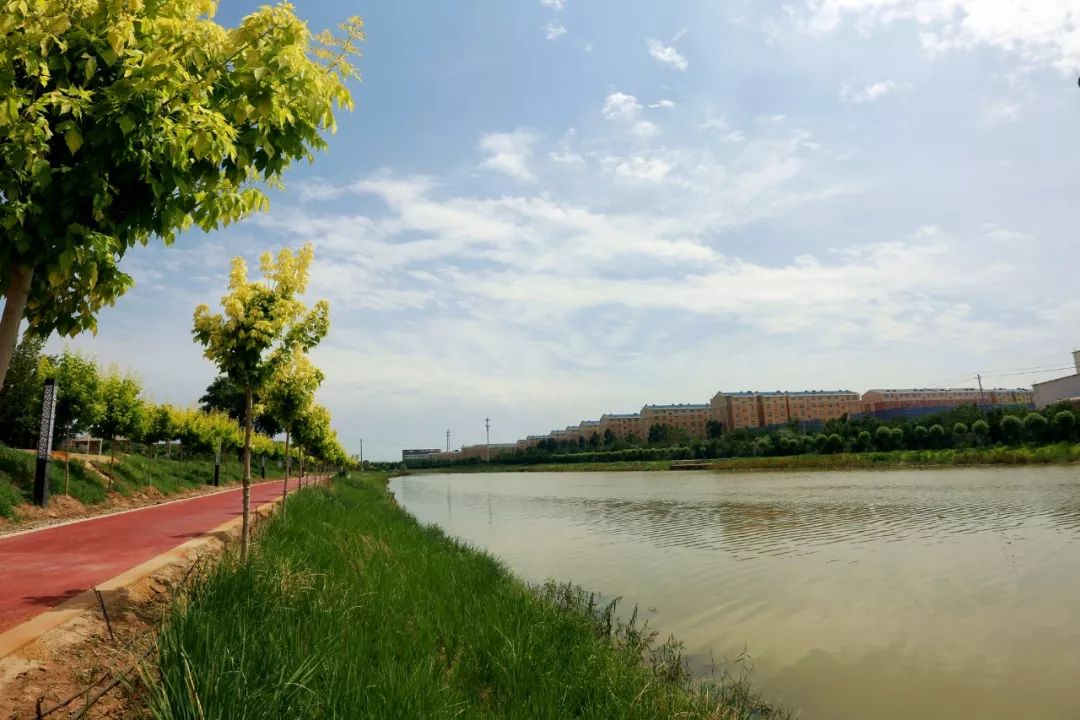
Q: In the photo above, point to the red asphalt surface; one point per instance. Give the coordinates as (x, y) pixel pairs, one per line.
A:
(43, 568)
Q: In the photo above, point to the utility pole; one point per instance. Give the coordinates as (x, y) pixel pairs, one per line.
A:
(982, 402)
(361, 454)
(487, 442)
(447, 439)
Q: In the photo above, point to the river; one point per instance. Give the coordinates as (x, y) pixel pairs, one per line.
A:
(886, 595)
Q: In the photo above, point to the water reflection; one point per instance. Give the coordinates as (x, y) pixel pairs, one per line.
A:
(859, 595)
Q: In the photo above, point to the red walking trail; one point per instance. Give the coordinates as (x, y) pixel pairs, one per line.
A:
(43, 568)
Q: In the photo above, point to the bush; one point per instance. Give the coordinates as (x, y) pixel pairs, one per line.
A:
(883, 438)
(898, 438)
(1011, 428)
(936, 435)
(981, 428)
(1035, 426)
(1065, 425)
(921, 436)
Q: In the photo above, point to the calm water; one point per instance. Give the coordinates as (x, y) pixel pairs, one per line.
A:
(883, 595)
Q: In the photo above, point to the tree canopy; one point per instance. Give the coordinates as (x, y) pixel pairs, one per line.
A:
(127, 119)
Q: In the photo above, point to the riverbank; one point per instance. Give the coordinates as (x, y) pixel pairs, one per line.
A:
(1055, 454)
(349, 608)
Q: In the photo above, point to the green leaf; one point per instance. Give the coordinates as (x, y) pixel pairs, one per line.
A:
(73, 138)
(126, 124)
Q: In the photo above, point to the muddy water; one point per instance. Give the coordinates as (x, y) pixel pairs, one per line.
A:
(886, 595)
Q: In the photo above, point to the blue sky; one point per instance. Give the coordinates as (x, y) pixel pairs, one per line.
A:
(542, 210)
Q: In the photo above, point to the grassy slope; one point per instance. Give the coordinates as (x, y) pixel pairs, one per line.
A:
(131, 474)
(1060, 453)
(350, 609)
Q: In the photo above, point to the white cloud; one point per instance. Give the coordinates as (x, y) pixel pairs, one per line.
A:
(666, 54)
(621, 106)
(638, 169)
(867, 93)
(509, 153)
(665, 104)
(1040, 31)
(553, 31)
(567, 157)
(555, 5)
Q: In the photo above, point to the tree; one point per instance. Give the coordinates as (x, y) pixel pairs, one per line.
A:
(224, 395)
(20, 399)
(262, 324)
(594, 439)
(1064, 423)
(313, 432)
(897, 438)
(80, 402)
(1011, 428)
(122, 410)
(922, 436)
(864, 440)
(936, 435)
(609, 437)
(127, 120)
(290, 393)
(1036, 425)
(883, 438)
(714, 429)
(981, 429)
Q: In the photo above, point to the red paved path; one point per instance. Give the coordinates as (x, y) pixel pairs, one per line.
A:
(41, 569)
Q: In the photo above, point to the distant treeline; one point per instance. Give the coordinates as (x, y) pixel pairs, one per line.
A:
(960, 428)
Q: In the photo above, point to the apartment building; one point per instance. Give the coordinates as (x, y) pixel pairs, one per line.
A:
(914, 401)
(743, 410)
(1063, 389)
(622, 424)
(689, 417)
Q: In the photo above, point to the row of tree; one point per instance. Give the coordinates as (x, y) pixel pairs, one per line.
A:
(111, 404)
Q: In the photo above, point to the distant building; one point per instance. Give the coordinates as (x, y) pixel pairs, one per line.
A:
(408, 456)
(742, 410)
(1065, 389)
(913, 402)
(690, 417)
(622, 424)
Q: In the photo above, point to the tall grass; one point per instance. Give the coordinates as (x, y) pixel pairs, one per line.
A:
(348, 608)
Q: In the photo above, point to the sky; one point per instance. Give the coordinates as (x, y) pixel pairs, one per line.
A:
(544, 210)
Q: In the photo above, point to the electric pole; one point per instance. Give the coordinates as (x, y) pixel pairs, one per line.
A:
(487, 442)
(447, 439)
(982, 402)
(361, 454)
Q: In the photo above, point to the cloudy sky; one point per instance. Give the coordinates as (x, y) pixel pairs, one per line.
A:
(542, 210)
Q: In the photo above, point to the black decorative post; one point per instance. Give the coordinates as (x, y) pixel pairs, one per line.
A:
(44, 449)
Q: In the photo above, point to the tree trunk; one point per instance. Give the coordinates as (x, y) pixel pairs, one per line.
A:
(248, 423)
(18, 290)
(285, 487)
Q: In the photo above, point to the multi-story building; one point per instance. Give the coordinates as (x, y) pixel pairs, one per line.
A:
(621, 424)
(419, 454)
(1064, 389)
(690, 417)
(896, 402)
(741, 410)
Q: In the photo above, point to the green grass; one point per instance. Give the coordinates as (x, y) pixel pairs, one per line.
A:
(131, 473)
(1051, 454)
(348, 608)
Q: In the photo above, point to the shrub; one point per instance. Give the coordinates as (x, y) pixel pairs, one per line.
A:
(1065, 425)
(1035, 425)
(1011, 428)
(883, 438)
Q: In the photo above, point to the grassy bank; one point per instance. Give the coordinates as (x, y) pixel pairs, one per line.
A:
(90, 485)
(350, 609)
(1055, 454)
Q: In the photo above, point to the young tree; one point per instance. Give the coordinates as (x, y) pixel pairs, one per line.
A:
(262, 324)
(80, 402)
(290, 393)
(20, 399)
(122, 410)
(226, 396)
(122, 121)
(1011, 428)
(312, 431)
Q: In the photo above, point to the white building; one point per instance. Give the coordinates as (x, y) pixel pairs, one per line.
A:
(1066, 388)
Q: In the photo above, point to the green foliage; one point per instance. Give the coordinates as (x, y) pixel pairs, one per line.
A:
(348, 608)
(225, 395)
(936, 435)
(1064, 424)
(960, 429)
(1011, 428)
(122, 411)
(981, 428)
(1035, 425)
(883, 438)
(20, 396)
(125, 119)
(81, 403)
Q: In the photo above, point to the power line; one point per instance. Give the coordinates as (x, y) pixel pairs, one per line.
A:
(1034, 372)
